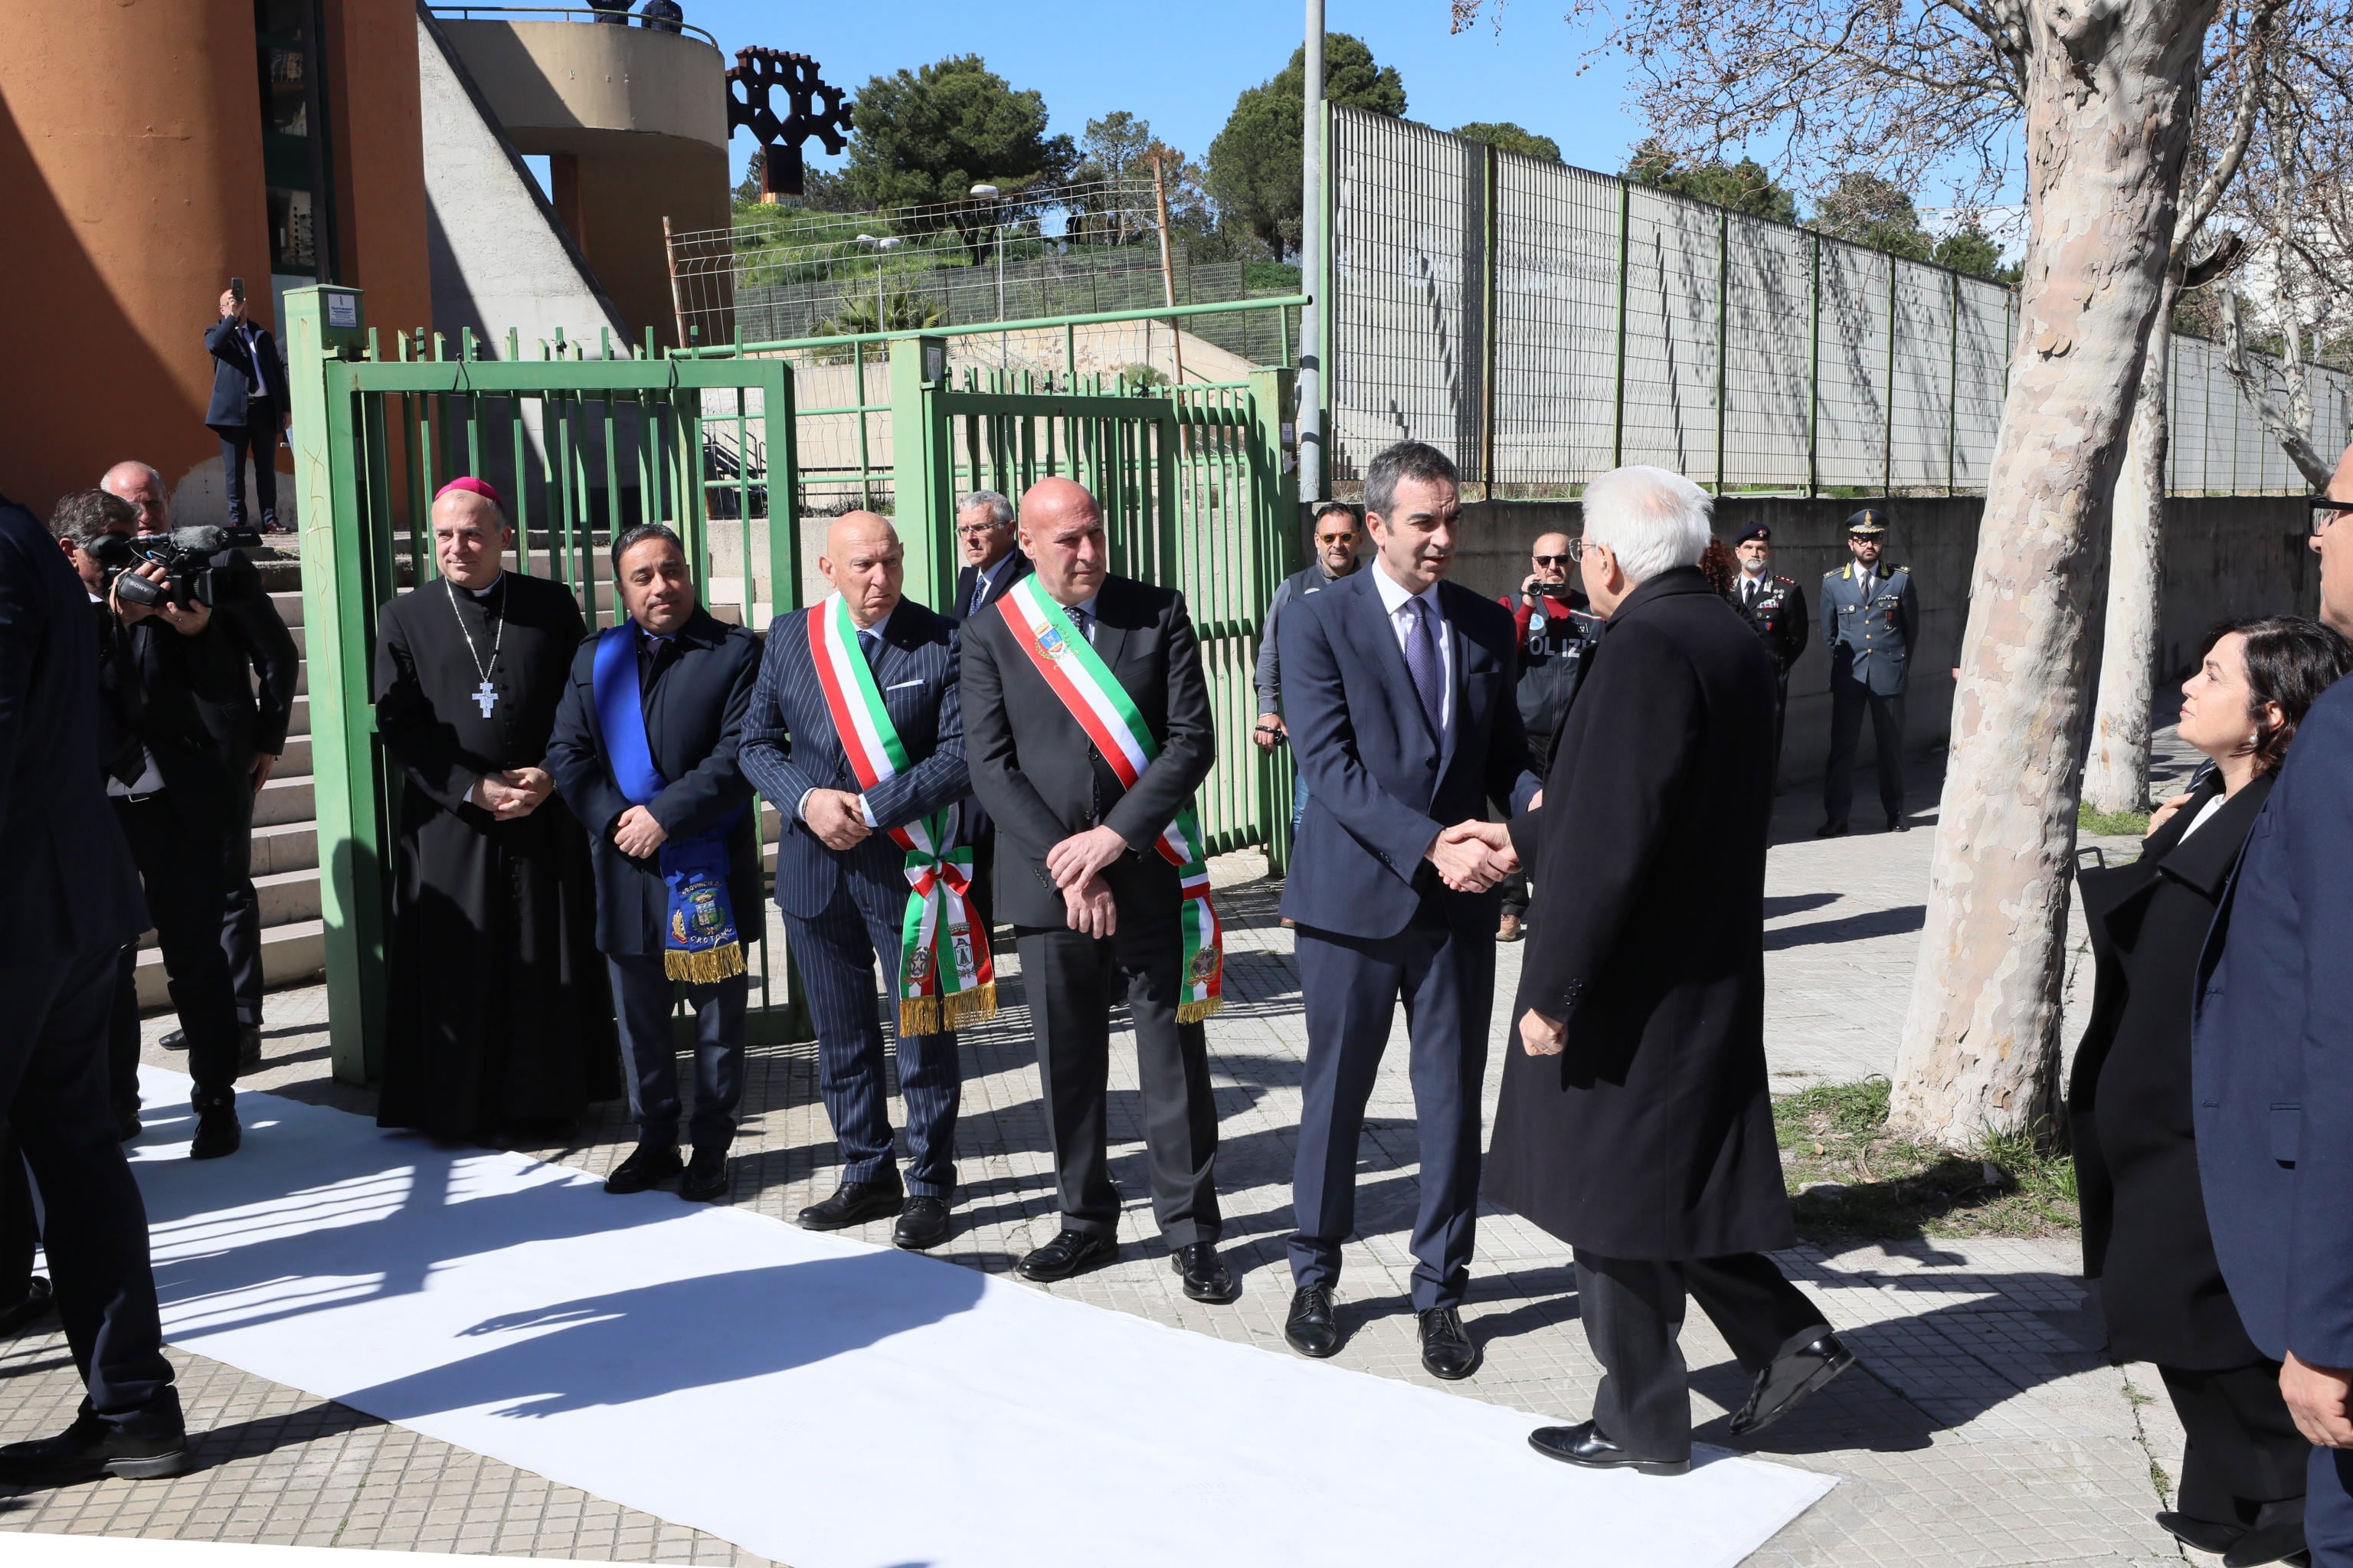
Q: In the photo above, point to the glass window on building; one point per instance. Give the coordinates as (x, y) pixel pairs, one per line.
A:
(289, 99)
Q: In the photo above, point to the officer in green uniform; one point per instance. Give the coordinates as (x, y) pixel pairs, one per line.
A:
(1871, 617)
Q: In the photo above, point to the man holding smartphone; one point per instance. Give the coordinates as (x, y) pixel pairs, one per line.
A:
(248, 409)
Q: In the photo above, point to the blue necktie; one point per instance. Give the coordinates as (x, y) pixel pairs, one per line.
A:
(1428, 668)
(1082, 621)
(869, 642)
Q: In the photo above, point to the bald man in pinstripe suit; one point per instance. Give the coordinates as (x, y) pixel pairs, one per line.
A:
(842, 881)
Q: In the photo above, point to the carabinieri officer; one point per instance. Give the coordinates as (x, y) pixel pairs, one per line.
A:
(1871, 619)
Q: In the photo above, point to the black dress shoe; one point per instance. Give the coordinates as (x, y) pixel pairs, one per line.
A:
(854, 1204)
(248, 1047)
(922, 1225)
(1312, 1329)
(178, 1040)
(89, 1450)
(706, 1175)
(1069, 1252)
(1780, 1387)
(1834, 827)
(646, 1165)
(1584, 1446)
(217, 1134)
(2201, 1534)
(2281, 1542)
(1446, 1350)
(1206, 1277)
(1898, 825)
(30, 1307)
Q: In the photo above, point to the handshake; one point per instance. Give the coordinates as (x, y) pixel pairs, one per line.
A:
(1473, 856)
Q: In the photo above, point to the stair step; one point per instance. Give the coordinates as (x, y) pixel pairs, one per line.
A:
(294, 762)
(284, 800)
(285, 846)
(291, 955)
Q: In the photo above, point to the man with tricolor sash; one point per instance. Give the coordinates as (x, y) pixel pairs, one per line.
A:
(856, 736)
(1088, 728)
(645, 750)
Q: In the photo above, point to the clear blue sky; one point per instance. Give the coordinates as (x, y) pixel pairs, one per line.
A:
(1179, 66)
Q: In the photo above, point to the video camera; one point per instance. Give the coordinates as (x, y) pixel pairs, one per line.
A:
(184, 553)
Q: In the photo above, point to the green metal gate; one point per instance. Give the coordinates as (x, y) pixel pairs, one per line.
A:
(1197, 495)
(582, 447)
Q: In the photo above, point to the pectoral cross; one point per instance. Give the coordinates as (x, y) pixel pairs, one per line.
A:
(485, 698)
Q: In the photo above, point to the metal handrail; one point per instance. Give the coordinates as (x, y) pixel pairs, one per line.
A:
(610, 19)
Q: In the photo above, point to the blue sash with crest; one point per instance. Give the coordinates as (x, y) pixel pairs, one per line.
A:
(699, 940)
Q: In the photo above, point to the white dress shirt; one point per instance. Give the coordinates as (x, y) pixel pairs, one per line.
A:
(2205, 811)
(1395, 595)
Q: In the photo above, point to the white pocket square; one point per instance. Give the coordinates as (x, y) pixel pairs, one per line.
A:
(901, 685)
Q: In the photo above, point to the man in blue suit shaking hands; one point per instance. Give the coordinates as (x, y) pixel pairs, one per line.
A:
(1397, 689)
(2272, 1065)
(856, 733)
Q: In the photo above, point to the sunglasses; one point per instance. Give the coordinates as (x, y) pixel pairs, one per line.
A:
(1347, 539)
(1552, 560)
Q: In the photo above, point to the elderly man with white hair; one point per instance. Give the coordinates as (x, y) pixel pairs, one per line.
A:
(1635, 1123)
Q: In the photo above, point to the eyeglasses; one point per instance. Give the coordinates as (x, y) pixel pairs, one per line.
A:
(1580, 548)
(1552, 560)
(979, 530)
(2325, 512)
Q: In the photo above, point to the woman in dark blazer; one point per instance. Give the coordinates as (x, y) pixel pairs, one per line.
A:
(2144, 1229)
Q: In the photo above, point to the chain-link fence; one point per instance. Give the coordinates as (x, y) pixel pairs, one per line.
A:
(1541, 323)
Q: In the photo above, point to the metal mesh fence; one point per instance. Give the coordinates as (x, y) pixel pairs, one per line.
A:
(1541, 323)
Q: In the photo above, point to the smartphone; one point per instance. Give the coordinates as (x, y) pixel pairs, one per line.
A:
(236, 290)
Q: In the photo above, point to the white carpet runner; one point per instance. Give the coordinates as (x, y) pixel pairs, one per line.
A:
(833, 1404)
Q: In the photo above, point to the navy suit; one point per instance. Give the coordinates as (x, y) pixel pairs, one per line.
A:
(69, 900)
(2272, 1068)
(843, 908)
(1008, 571)
(1373, 920)
(248, 410)
(696, 694)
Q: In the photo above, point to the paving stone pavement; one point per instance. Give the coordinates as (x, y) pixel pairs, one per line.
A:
(1984, 1425)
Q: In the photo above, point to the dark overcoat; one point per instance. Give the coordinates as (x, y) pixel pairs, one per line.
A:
(1651, 1135)
(2145, 1230)
(694, 704)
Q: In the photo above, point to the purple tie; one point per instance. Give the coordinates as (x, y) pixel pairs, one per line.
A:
(1423, 662)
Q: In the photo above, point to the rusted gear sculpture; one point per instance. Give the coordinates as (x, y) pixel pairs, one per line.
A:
(758, 70)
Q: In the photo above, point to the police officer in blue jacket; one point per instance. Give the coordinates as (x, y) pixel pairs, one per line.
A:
(1871, 620)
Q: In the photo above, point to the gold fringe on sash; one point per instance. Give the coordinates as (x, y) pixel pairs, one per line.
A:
(921, 1014)
(1193, 1011)
(706, 967)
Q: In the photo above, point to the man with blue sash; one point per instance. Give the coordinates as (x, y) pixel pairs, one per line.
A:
(645, 750)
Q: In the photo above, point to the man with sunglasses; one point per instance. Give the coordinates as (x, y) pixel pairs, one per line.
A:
(1336, 557)
(1556, 630)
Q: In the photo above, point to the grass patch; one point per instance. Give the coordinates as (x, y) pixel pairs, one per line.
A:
(1849, 1179)
(2112, 824)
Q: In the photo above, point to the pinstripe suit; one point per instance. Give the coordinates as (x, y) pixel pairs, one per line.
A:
(842, 908)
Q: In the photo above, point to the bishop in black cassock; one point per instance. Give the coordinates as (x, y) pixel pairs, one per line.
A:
(501, 1015)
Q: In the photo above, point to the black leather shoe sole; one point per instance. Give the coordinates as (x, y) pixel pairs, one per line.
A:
(1785, 1400)
(74, 1469)
(1445, 1364)
(2267, 1543)
(1216, 1289)
(2201, 1535)
(1617, 1460)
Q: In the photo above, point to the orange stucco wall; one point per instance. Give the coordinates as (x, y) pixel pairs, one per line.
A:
(131, 174)
(130, 178)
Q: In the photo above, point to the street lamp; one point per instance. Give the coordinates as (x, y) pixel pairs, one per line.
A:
(888, 242)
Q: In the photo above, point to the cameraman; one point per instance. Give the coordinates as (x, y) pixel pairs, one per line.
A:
(173, 796)
(245, 700)
(1556, 631)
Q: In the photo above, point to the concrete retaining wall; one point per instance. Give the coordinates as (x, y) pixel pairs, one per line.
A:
(2224, 557)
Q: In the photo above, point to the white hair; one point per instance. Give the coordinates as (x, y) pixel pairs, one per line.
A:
(1651, 520)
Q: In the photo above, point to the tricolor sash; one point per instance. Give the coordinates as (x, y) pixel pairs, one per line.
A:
(700, 944)
(1077, 674)
(946, 978)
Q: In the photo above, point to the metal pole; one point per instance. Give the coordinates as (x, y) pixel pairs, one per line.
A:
(1617, 392)
(1312, 485)
(1814, 368)
(1488, 241)
(1887, 437)
(1953, 392)
(677, 302)
(1722, 302)
(1167, 268)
